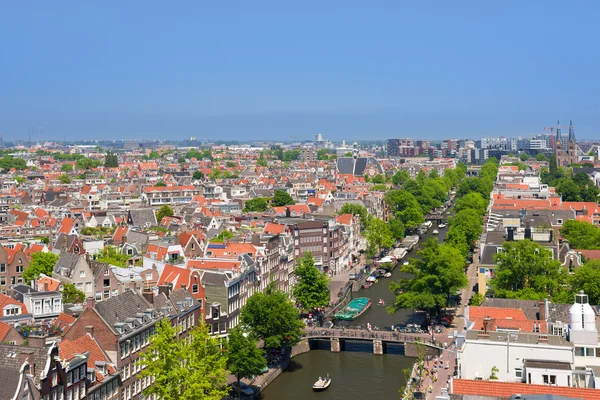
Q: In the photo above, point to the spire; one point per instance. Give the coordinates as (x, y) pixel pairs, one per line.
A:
(571, 132)
(557, 131)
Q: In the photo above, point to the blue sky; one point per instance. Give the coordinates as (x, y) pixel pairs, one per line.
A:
(273, 70)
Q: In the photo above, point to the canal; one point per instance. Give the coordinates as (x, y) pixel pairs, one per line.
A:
(355, 372)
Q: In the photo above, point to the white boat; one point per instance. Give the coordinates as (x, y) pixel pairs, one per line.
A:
(441, 225)
(371, 278)
(387, 275)
(405, 263)
(322, 384)
(435, 232)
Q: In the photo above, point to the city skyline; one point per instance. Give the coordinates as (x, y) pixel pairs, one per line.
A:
(270, 71)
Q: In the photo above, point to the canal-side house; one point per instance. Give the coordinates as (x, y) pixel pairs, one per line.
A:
(75, 269)
(44, 306)
(122, 326)
(13, 263)
(13, 312)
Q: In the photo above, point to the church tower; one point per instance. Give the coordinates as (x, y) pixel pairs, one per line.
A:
(572, 150)
(559, 147)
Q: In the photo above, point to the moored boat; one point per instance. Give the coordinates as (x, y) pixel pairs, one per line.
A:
(435, 232)
(387, 275)
(441, 225)
(354, 309)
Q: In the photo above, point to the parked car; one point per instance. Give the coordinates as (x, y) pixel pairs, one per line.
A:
(244, 389)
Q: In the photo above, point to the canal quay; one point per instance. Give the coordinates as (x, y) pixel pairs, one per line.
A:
(356, 373)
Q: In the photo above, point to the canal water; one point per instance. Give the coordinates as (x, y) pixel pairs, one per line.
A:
(355, 372)
(354, 375)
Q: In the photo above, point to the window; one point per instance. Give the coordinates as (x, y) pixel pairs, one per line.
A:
(559, 221)
(195, 288)
(106, 282)
(82, 274)
(106, 272)
(518, 372)
(2, 267)
(98, 296)
(546, 379)
(19, 269)
(148, 276)
(37, 307)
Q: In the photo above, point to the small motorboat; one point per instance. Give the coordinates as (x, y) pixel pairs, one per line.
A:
(381, 302)
(367, 285)
(436, 232)
(441, 225)
(387, 275)
(322, 383)
(371, 278)
(405, 263)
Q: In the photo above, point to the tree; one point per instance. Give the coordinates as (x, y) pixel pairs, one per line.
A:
(164, 211)
(110, 255)
(397, 228)
(198, 175)
(581, 235)
(568, 190)
(378, 188)
(87, 163)
(465, 228)
(72, 295)
(378, 236)
(194, 368)
(160, 184)
(282, 198)
(224, 234)
(256, 204)
(435, 277)
(230, 164)
(378, 179)
(476, 300)
(473, 201)
(406, 207)
(262, 163)
(323, 154)
(494, 373)
(312, 288)
(357, 209)
(400, 177)
(541, 157)
(245, 359)
(66, 168)
(64, 179)
(587, 278)
(524, 156)
(112, 161)
(526, 270)
(41, 263)
(272, 317)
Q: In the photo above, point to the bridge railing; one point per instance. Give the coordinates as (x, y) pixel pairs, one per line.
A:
(365, 334)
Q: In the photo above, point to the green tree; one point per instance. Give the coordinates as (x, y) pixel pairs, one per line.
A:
(473, 201)
(164, 211)
(224, 234)
(357, 209)
(190, 369)
(110, 255)
(587, 278)
(378, 236)
(41, 263)
(312, 288)
(262, 163)
(87, 163)
(465, 228)
(282, 198)
(397, 228)
(66, 168)
(541, 157)
(272, 317)
(400, 177)
(524, 156)
(245, 359)
(581, 235)
(323, 154)
(160, 184)
(436, 275)
(198, 175)
(111, 161)
(256, 204)
(526, 270)
(476, 300)
(72, 295)
(406, 207)
(568, 190)
(230, 164)
(64, 179)
(378, 179)
(378, 188)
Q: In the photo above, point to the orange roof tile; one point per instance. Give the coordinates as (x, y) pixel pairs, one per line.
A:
(496, 312)
(507, 389)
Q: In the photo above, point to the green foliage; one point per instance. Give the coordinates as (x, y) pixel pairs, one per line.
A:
(378, 235)
(526, 270)
(153, 155)
(112, 161)
(272, 317)
(494, 373)
(524, 156)
(282, 198)
(257, 204)
(199, 155)
(230, 164)
(164, 211)
(64, 179)
(245, 359)
(66, 168)
(87, 163)
(378, 179)
(8, 162)
(41, 263)
(288, 155)
(71, 295)
(97, 231)
(541, 157)
(472, 201)
(160, 184)
(113, 256)
(221, 237)
(262, 163)
(477, 299)
(191, 369)
(378, 188)
(581, 235)
(406, 208)
(348, 154)
(20, 180)
(312, 288)
(587, 278)
(397, 228)
(323, 154)
(357, 209)
(198, 175)
(436, 276)
(464, 230)
(400, 177)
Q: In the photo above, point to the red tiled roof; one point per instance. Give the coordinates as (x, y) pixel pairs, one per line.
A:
(496, 312)
(53, 284)
(5, 301)
(273, 229)
(68, 349)
(344, 219)
(507, 389)
(4, 329)
(214, 264)
(63, 321)
(590, 254)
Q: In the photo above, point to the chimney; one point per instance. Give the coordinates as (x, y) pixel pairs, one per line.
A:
(45, 286)
(90, 302)
(89, 329)
(486, 321)
(149, 296)
(547, 309)
(164, 289)
(183, 286)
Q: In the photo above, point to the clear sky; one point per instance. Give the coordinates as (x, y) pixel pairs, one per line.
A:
(274, 70)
